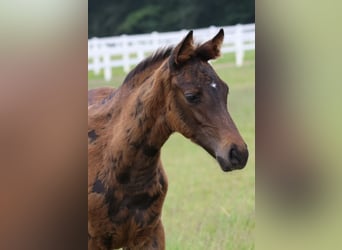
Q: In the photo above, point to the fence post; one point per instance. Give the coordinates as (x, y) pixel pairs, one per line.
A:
(96, 59)
(125, 53)
(140, 54)
(239, 52)
(155, 40)
(107, 66)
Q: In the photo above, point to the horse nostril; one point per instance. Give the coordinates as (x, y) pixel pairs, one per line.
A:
(238, 158)
(234, 156)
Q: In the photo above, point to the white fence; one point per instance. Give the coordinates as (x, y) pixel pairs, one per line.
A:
(128, 50)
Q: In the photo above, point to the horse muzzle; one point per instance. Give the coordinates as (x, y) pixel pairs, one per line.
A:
(236, 158)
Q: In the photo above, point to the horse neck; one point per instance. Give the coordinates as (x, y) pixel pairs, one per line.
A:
(146, 110)
(143, 127)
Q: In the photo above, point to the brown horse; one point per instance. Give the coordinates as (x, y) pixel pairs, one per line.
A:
(174, 90)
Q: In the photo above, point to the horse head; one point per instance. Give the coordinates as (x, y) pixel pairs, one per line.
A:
(197, 102)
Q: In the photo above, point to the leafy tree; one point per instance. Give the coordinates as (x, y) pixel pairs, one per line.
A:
(114, 17)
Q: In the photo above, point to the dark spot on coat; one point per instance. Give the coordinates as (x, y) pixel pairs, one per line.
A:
(107, 241)
(140, 201)
(150, 150)
(139, 218)
(138, 144)
(108, 98)
(98, 187)
(92, 135)
(138, 107)
(114, 162)
(112, 202)
(123, 178)
(155, 243)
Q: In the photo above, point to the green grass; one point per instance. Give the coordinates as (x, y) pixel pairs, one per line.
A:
(98, 80)
(206, 208)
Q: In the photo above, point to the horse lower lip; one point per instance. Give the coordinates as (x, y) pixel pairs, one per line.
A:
(226, 169)
(223, 164)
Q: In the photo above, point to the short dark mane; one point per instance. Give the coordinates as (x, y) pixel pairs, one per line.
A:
(157, 56)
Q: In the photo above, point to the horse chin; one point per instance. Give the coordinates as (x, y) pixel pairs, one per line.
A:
(225, 165)
(205, 147)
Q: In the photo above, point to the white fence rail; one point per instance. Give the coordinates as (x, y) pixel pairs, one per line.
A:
(128, 50)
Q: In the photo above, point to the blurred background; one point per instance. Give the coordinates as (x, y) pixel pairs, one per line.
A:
(298, 125)
(109, 18)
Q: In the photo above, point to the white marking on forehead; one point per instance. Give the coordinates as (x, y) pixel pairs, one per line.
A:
(213, 85)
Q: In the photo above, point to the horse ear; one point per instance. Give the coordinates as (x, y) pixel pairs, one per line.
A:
(184, 50)
(211, 49)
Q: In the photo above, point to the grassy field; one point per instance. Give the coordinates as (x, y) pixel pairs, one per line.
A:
(206, 208)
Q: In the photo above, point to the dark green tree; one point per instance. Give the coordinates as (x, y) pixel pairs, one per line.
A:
(114, 17)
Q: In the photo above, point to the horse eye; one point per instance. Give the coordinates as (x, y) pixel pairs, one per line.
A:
(192, 98)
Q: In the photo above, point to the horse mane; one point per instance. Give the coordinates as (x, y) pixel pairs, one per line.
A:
(161, 54)
(156, 57)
